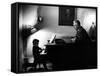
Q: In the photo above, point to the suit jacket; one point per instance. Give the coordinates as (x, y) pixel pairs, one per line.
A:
(82, 36)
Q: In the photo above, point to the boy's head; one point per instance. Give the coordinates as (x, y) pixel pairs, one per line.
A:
(35, 42)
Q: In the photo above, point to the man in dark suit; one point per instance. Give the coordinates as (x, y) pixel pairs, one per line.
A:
(83, 44)
(81, 35)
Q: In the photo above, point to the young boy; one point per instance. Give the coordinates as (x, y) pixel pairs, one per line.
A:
(36, 52)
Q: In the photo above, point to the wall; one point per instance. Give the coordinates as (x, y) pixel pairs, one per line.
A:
(51, 16)
(86, 17)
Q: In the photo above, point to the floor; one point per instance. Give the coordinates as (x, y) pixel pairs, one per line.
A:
(39, 68)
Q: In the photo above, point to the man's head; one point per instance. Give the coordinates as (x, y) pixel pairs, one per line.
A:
(76, 24)
(35, 42)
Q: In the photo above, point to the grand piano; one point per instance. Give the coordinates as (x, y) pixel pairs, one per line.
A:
(69, 56)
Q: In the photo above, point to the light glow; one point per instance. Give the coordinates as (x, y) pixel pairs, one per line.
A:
(42, 36)
(89, 18)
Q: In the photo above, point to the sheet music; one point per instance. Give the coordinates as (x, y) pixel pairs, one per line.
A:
(52, 38)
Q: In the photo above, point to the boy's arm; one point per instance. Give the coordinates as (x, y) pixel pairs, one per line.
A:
(40, 50)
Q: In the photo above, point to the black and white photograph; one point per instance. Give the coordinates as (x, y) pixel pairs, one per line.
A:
(47, 37)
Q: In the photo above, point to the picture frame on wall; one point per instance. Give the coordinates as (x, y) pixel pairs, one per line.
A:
(66, 16)
(52, 37)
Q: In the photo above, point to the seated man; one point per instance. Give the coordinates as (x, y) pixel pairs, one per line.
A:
(84, 45)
